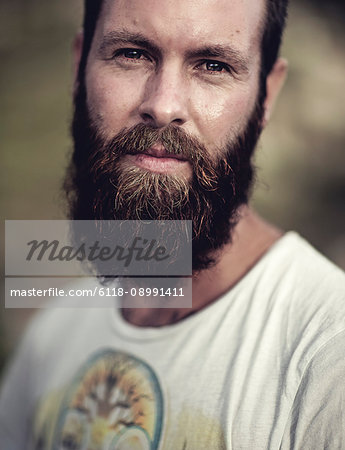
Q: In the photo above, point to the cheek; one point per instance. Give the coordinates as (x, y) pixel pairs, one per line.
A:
(112, 101)
(222, 115)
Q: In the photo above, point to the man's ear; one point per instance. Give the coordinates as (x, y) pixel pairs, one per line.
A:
(274, 83)
(77, 51)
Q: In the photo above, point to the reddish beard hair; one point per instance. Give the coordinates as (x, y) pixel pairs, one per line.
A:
(99, 186)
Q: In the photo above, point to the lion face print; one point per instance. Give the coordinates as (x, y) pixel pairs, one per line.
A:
(113, 403)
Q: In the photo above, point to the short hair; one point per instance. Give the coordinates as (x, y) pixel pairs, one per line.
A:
(272, 32)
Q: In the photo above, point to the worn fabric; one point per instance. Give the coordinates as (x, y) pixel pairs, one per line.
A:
(263, 367)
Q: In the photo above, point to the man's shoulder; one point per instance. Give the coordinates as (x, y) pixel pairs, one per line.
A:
(306, 293)
(307, 280)
(302, 269)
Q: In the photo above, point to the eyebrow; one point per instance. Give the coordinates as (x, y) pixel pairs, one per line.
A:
(126, 37)
(226, 52)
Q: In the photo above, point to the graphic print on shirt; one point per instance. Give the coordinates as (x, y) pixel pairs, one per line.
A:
(114, 403)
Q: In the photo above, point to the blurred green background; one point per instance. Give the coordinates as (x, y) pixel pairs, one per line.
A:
(301, 158)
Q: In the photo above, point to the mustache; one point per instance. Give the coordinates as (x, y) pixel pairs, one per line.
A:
(139, 138)
(101, 185)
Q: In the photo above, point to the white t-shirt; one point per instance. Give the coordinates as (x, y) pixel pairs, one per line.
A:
(263, 367)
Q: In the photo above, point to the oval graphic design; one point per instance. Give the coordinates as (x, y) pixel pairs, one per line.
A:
(114, 403)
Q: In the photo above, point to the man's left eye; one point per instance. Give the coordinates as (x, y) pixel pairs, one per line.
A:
(132, 54)
(216, 66)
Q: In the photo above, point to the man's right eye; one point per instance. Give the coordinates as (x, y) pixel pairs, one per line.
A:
(130, 53)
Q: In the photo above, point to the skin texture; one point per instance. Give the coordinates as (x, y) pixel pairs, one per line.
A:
(173, 86)
(200, 73)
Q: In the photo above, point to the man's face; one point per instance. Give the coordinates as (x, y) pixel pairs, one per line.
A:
(167, 116)
(193, 64)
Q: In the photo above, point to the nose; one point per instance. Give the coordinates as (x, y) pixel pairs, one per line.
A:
(165, 99)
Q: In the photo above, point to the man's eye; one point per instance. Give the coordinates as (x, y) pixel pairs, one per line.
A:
(216, 66)
(131, 53)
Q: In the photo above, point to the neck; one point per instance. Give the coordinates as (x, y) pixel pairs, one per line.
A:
(251, 239)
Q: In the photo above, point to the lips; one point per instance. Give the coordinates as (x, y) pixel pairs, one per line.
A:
(157, 159)
(158, 151)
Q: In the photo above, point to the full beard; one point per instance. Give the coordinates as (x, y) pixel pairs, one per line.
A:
(100, 185)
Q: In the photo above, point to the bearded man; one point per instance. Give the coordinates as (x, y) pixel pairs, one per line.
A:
(170, 99)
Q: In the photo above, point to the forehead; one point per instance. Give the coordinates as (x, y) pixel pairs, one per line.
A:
(184, 23)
